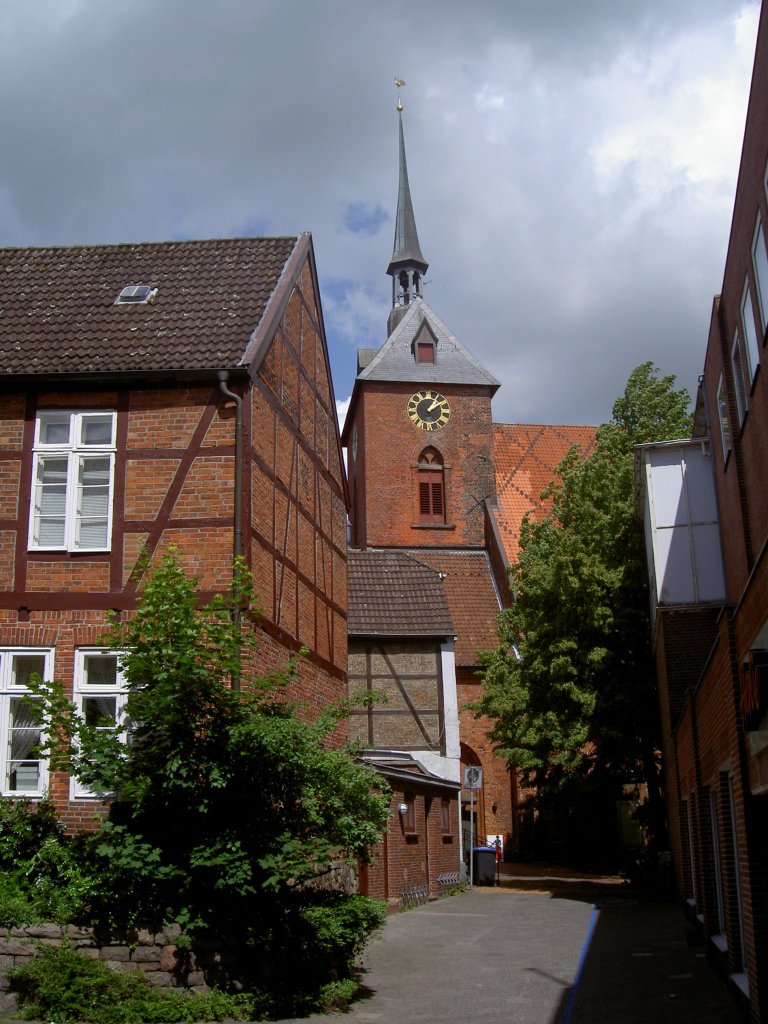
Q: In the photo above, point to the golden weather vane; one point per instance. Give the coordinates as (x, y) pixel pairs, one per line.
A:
(398, 83)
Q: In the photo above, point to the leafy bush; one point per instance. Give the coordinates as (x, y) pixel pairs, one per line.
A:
(229, 803)
(63, 985)
(43, 875)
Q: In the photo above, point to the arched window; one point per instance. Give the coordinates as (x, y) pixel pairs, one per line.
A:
(431, 479)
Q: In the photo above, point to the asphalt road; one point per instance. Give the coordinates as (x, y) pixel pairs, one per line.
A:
(515, 957)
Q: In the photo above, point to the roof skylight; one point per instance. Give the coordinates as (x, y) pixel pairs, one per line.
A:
(134, 293)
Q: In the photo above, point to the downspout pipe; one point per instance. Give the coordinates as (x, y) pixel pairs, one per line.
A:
(237, 547)
(237, 532)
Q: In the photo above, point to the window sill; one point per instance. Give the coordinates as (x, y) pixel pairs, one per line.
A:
(741, 982)
(433, 526)
(720, 942)
(64, 552)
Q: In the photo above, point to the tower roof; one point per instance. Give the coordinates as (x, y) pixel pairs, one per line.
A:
(395, 360)
(406, 250)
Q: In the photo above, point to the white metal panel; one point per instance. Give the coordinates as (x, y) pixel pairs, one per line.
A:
(700, 485)
(682, 530)
(674, 569)
(668, 491)
(708, 563)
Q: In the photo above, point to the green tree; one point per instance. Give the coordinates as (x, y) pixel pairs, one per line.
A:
(228, 805)
(571, 686)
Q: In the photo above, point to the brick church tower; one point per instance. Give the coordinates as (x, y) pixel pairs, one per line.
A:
(422, 482)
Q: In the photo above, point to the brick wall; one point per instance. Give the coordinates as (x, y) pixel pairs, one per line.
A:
(477, 748)
(387, 499)
(418, 859)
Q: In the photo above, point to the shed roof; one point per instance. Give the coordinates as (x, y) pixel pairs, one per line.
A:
(472, 596)
(392, 594)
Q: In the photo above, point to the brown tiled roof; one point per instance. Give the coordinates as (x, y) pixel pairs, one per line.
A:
(526, 456)
(58, 312)
(472, 598)
(391, 594)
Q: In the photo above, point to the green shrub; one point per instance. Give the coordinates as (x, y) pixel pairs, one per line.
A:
(179, 847)
(17, 906)
(24, 826)
(63, 985)
(43, 876)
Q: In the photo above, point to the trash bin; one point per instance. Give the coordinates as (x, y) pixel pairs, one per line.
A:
(484, 865)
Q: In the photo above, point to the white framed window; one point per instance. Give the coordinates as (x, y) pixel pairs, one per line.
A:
(72, 481)
(760, 267)
(750, 330)
(719, 908)
(23, 772)
(739, 380)
(722, 412)
(100, 697)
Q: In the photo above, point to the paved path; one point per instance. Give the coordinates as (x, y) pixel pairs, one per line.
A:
(510, 955)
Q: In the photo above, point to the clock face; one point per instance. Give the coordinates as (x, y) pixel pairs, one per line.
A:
(428, 410)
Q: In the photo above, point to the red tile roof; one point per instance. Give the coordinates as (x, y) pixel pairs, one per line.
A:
(391, 594)
(58, 312)
(526, 456)
(472, 598)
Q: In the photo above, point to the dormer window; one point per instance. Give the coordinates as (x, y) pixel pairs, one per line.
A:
(136, 293)
(425, 345)
(425, 352)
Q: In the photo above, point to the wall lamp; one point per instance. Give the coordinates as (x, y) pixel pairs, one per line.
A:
(402, 808)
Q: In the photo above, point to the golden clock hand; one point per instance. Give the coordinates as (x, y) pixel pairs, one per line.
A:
(436, 405)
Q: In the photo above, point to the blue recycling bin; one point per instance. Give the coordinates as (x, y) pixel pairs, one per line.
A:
(484, 865)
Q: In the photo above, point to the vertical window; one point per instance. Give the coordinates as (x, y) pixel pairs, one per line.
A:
(739, 383)
(750, 330)
(694, 889)
(736, 872)
(445, 817)
(100, 697)
(760, 267)
(22, 770)
(722, 412)
(409, 814)
(431, 481)
(72, 481)
(719, 903)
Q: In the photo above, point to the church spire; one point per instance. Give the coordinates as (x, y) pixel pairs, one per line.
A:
(407, 266)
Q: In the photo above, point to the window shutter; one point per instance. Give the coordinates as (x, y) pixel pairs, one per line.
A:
(431, 496)
(424, 502)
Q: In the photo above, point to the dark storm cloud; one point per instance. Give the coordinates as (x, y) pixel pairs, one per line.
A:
(572, 164)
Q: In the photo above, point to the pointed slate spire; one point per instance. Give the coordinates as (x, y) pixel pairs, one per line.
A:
(407, 266)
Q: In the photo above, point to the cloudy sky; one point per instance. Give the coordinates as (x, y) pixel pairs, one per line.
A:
(572, 162)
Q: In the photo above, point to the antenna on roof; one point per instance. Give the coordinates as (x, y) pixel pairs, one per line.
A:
(398, 83)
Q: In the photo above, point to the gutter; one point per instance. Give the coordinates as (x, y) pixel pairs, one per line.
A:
(237, 532)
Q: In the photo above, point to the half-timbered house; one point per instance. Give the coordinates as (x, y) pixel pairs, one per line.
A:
(156, 395)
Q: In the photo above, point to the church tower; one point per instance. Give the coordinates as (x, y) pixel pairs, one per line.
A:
(419, 432)
(425, 583)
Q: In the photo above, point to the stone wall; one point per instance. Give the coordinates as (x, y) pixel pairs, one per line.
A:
(155, 954)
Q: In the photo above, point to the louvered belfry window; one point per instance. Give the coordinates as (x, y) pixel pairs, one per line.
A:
(431, 479)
